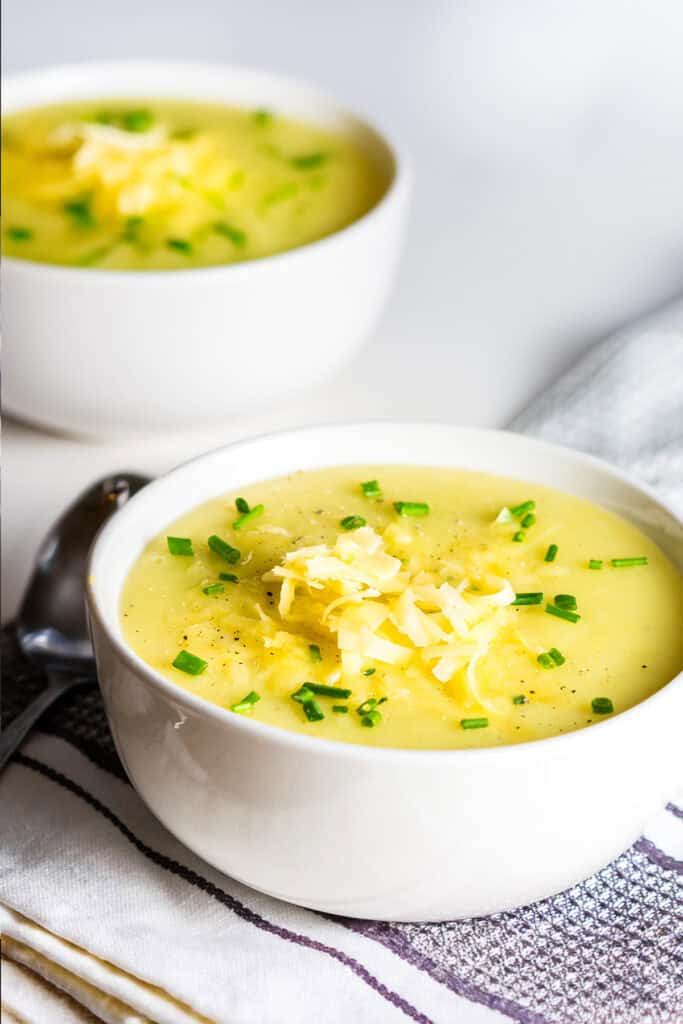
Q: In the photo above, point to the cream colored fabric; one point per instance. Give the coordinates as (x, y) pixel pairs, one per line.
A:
(28, 999)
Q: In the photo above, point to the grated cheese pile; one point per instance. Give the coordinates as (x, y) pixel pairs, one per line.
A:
(134, 173)
(378, 609)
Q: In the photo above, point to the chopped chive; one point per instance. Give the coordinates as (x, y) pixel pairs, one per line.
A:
(528, 520)
(262, 117)
(367, 706)
(602, 705)
(371, 489)
(474, 723)
(520, 698)
(248, 517)
(222, 548)
(352, 522)
(180, 545)
(519, 536)
(189, 663)
(341, 709)
(521, 510)
(19, 234)
(562, 613)
(89, 259)
(533, 597)
(504, 516)
(308, 161)
(566, 601)
(545, 660)
(412, 508)
(80, 211)
(595, 563)
(213, 588)
(131, 229)
(179, 245)
(242, 505)
(314, 652)
(137, 120)
(372, 719)
(557, 656)
(322, 690)
(551, 553)
(368, 671)
(302, 694)
(246, 704)
(382, 700)
(233, 234)
(312, 710)
(623, 563)
(229, 577)
(283, 192)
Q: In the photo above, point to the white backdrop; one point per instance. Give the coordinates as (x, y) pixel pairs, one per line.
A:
(548, 143)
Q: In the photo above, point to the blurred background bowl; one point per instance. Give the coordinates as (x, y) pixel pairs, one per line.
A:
(102, 352)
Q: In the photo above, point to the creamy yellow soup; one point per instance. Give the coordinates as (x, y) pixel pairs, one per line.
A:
(161, 184)
(408, 607)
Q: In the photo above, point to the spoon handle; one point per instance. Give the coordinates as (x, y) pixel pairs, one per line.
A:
(13, 736)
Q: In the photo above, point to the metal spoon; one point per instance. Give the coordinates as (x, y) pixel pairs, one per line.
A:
(51, 625)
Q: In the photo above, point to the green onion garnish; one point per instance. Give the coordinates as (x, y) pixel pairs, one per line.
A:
(534, 597)
(368, 671)
(521, 510)
(528, 520)
(180, 545)
(137, 120)
(248, 517)
(352, 522)
(213, 588)
(562, 613)
(545, 661)
(225, 550)
(520, 698)
(595, 563)
(412, 508)
(132, 228)
(80, 211)
(262, 117)
(229, 577)
(246, 704)
(367, 706)
(233, 234)
(302, 694)
(623, 563)
(474, 723)
(551, 553)
(312, 710)
(519, 536)
(19, 234)
(372, 719)
(179, 245)
(371, 489)
(566, 601)
(314, 652)
(308, 161)
(341, 709)
(557, 656)
(189, 663)
(242, 505)
(322, 690)
(602, 705)
(504, 516)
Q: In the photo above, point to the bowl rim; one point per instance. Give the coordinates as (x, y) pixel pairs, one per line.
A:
(399, 186)
(265, 732)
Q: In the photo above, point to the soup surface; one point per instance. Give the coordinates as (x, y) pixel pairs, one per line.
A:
(408, 607)
(133, 185)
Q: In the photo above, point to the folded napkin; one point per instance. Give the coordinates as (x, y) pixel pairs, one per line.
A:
(105, 915)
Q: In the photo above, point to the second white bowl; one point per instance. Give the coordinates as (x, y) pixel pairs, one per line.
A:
(100, 352)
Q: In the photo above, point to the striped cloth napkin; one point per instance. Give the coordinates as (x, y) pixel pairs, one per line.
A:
(105, 916)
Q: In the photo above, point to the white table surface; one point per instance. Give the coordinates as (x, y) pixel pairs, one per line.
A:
(548, 206)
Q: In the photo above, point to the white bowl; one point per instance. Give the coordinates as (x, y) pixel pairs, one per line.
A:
(102, 352)
(369, 832)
